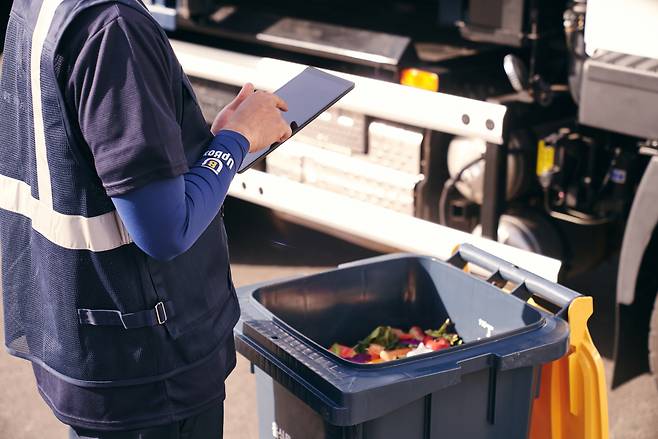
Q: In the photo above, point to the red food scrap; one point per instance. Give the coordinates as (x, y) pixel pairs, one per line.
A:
(438, 344)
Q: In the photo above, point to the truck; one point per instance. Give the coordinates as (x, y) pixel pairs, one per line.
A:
(529, 123)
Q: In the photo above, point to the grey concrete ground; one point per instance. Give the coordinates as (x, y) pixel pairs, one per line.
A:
(265, 249)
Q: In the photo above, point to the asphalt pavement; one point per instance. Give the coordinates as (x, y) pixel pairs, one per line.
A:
(264, 247)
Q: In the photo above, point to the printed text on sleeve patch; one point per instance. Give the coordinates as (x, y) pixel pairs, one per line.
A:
(226, 157)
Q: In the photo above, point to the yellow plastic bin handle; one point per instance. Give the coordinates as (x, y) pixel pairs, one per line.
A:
(573, 400)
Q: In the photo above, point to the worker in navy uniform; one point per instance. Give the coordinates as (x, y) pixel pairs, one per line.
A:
(115, 272)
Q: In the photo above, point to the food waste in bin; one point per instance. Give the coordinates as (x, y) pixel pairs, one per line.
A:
(386, 343)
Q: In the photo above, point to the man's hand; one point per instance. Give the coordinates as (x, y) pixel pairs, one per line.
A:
(258, 118)
(227, 112)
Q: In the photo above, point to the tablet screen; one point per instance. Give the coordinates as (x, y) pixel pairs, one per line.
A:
(308, 95)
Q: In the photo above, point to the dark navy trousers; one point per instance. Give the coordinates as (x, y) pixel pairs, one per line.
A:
(206, 425)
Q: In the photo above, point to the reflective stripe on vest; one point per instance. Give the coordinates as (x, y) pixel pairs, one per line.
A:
(41, 29)
(99, 233)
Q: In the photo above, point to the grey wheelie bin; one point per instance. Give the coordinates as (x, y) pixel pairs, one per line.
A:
(483, 388)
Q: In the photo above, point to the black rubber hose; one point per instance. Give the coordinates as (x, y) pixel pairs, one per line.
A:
(449, 185)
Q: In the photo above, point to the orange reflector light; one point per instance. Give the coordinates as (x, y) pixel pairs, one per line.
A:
(420, 79)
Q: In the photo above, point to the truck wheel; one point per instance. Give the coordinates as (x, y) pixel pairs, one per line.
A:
(653, 342)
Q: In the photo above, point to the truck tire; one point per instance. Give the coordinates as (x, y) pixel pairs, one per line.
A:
(653, 342)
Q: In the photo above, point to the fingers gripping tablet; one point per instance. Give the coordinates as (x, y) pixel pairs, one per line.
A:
(308, 95)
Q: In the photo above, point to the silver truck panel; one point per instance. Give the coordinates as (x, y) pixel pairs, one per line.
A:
(420, 108)
(641, 224)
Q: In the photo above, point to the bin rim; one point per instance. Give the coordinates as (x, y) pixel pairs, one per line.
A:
(251, 290)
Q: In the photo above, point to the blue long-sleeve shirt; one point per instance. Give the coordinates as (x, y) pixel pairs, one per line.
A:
(165, 217)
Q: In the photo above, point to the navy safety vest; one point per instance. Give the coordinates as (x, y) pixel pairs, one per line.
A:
(80, 299)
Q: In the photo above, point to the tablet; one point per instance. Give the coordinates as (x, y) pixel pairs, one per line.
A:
(308, 95)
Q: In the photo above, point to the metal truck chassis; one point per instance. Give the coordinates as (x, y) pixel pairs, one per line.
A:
(343, 214)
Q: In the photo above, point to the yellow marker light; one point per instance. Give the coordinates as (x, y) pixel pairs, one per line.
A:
(545, 158)
(420, 79)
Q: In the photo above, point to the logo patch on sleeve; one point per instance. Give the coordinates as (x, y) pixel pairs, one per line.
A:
(213, 164)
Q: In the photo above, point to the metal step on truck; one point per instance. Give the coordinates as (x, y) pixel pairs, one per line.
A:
(530, 123)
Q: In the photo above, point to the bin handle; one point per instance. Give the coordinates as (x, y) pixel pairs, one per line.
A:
(529, 284)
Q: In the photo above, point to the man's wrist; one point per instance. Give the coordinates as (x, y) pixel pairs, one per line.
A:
(239, 129)
(231, 138)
